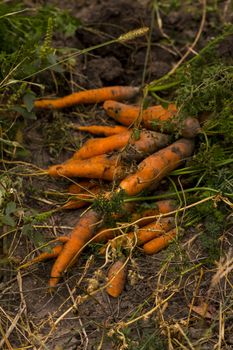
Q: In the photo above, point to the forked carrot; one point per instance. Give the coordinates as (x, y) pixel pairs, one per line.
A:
(101, 129)
(55, 251)
(100, 167)
(79, 236)
(89, 96)
(117, 277)
(142, 235)
(134, 147)
(151, 118)
(159, 243)
(155, 167)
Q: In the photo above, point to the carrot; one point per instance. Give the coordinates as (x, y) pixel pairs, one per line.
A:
(45, 256)
(161, 207)
(81, 186)
(100, 167)
(155, 167)
(145, 143)
(80, 200)
(152, 118)
(159, 243)
(89, 96)
(127, 114)
(48, 255)
(97, 146)
(105, 130)
(79, 236)
(117, 278)
(142, 235)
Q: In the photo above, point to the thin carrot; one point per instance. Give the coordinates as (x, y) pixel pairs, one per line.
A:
(79, 236)
(117, 277)
(89, 96)
(160, 207)
(100, 167)
(155, 167)
(152, 118)
(105, 130)
(55, 251)
(159, 243)
(79, 187)
(138, 147)
(81, 200)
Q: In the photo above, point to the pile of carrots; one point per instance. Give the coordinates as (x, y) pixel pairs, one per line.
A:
(134, 156)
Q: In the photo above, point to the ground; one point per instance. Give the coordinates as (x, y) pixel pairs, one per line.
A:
(161, 289)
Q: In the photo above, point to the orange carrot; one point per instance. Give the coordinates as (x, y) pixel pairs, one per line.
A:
(105, 130)
(80, 200)
(136, 148)
(159, 243)
(89, 96)
(100, 167)
(97, 146)
(155, 167)
(55, 251)
(152, 118)
(142, 235)
(117, 277)
(127, 114)
(161, 207)
(81, 186)
(80, 235)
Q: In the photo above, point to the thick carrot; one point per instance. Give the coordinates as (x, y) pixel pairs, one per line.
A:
(159, 243)
(136, 148)
(161, 207)
(152, 118)
(155, 167)
(127, 114)
(100, 167)
(117, 278)
(80, 200)
(89, 96)
(101, 129)
(79, 236)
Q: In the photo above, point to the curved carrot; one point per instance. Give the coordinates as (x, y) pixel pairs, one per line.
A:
(138, 147)
(80, 235)
(152, 118)
(159, 243)
(117, 277)
(89, 96)
(153, 168)
(55, 251)
(105, 130)
(100, 167)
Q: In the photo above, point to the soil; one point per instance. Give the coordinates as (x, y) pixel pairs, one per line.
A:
(69, 319)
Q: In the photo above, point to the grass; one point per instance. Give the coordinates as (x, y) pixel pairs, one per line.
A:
(194, 268)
